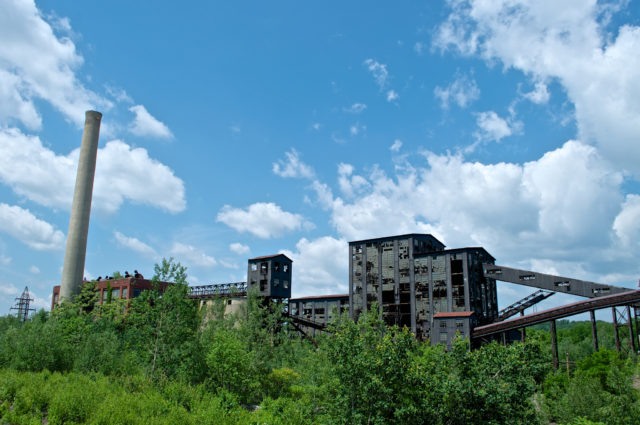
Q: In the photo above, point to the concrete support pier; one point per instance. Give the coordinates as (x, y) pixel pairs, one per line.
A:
(74, 257)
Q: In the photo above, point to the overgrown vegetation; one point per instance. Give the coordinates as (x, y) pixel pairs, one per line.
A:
(162, 359)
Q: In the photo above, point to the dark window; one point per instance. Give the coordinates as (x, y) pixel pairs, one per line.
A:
(136, 292)
(263, 285)
(124, 293)
(228, 302)
(264, 268)
(276, 266)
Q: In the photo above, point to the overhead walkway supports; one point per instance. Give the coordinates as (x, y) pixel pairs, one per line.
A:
(624, 299)
(567, 285)
(521, 305)
(594, 331)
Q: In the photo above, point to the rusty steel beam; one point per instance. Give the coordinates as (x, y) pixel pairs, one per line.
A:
(627, 298)
(549, 282)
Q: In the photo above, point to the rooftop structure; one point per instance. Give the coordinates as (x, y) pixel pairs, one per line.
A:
(271, 274)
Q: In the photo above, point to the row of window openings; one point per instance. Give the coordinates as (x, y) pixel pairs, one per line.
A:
(116, 293)
(276, 283)
(264, 267)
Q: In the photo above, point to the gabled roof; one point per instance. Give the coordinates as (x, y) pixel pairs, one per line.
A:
(267, 257)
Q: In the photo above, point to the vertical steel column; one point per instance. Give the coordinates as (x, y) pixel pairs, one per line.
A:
(412, 287)
(380, 279)
(594, 330)
(313, 317)
(364, 278)
(447, 268)
(635, 319)
(615, 328)
(351, 283)
(523, 334)
(554, 345)
(396, 280)
(632, 340)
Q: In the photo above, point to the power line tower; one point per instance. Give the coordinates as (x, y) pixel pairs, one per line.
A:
(22, 305)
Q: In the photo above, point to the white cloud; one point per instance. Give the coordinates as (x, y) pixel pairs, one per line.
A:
(34, 270)
(15, 105)
(239, 248)
(568, 42)
(144, 124)
(350, 184)
(627, 224)
(357, 128)
(539, 94)
(419, 47)
(4, 260)
(492, 127)
(397, 144)
(292, 166)
(191, 255)
(262, 219)
(392, 95)
(356, 108)
(135, 245)
(9, 289)
(122, 173)
(28, 229)
(462, 91)
(379, 72)
(320, 266)
(316, 126)
(26, 36)
(535, 210)
(229, 265)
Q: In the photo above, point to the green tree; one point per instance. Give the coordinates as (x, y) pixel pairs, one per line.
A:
(162, 327)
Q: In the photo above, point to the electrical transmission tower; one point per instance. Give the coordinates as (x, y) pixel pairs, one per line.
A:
(22, 305)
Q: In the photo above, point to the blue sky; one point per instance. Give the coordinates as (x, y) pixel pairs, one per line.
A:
(249, 128)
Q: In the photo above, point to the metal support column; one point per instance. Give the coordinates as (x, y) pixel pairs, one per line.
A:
(615, 328)
(523, 334)
(554, 345)
(632, 340)
(594, 330)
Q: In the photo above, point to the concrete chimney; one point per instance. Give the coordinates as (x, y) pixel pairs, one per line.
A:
(73, 269)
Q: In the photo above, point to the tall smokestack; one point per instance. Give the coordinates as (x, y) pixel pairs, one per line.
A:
(73, 269)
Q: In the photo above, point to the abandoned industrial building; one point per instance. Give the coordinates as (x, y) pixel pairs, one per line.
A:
(413, 281)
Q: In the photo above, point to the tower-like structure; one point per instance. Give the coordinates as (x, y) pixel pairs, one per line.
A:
(75, 253)
(417, 283)
(23, 305)
(271, 274)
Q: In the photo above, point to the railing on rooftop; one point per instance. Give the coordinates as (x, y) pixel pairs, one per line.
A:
(233, 289)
